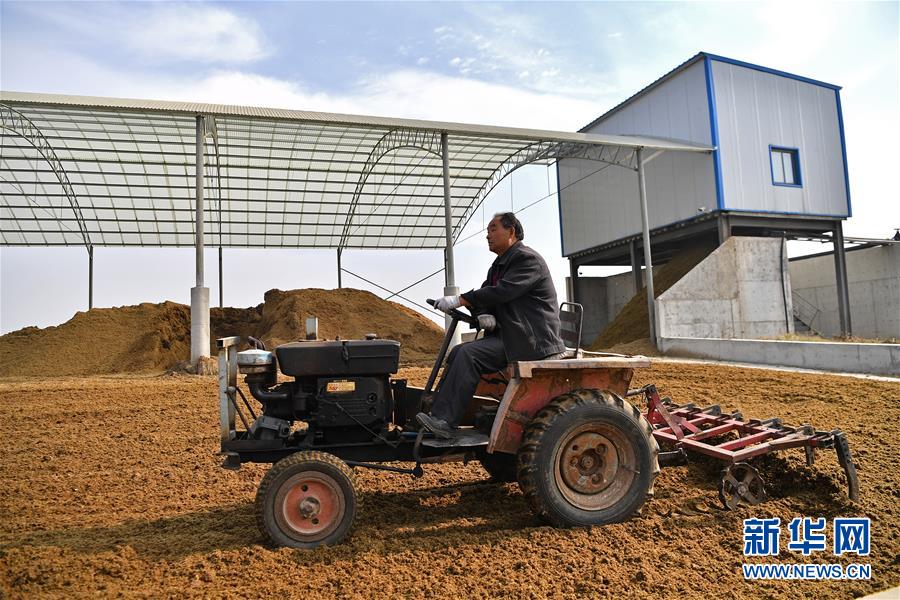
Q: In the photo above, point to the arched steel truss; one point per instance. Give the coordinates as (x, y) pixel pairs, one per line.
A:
(546, 151)
(393, 140)
(21, 125)
(430, 142)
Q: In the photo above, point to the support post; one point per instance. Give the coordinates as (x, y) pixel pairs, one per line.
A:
(573, 281)
(221, 293)
(199, 293)
(840, 272)
(450, 288)
(90, 250)
(648, 261)
(636, 276)
(339, 250)
(724, 228)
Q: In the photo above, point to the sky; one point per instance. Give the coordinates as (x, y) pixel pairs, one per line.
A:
(552, 65)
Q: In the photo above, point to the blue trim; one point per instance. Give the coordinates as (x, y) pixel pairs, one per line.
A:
(714, 134)
(696, 218)
(795, 160)
(747, 65)
(840, 115)
(562, 245)
(783, 212)
(687, 64)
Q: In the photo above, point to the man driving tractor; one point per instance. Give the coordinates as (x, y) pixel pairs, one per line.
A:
(517, 308)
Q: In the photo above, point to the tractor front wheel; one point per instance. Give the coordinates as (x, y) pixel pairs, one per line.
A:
(306, 500)
(587, 458)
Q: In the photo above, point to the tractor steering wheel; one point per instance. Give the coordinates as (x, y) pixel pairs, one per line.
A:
(457, 314)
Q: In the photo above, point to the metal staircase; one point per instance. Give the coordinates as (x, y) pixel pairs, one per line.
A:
(805, 315)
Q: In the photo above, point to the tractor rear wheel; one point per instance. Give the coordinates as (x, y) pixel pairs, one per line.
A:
(587, 458)
(306, 500)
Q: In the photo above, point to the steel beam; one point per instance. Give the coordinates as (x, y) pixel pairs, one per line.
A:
(199, 293)
(339, 252)
(221, 292)
(573, 281)
(840, 272)
(635, 266)
(450, 288)
(90, 250)
(648, 261)
(198, 199)
(724, 226)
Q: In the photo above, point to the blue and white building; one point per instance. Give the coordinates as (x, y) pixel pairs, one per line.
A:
(778, 167)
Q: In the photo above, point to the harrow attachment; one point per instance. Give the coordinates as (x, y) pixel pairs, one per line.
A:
(734, 441)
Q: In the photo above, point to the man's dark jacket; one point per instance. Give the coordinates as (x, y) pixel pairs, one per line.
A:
(519, 292)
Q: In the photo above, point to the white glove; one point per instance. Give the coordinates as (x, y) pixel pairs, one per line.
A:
(487, 322)
(447, 303)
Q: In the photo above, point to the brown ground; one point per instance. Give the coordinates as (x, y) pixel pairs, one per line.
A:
(111, 486)
(154, 337)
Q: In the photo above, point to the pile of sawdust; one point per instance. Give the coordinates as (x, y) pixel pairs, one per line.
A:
(632, 323)
(348, 314)
(643, 346)
(154, 337)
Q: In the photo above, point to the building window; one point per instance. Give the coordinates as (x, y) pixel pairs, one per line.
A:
(785, 166)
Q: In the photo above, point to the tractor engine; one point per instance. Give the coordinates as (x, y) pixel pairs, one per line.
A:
(340, 389)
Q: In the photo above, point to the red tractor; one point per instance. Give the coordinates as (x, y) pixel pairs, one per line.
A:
(582, 453)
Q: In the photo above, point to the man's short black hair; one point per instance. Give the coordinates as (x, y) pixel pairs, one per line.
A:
(510, 221)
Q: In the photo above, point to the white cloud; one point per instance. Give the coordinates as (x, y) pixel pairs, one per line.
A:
(158, 32)
(196, 32)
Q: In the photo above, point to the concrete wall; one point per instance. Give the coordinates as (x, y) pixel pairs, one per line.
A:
(874, 281)
(882, 359)
(741, 290)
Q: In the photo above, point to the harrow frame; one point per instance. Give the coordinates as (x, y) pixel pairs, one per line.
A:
(689, 428)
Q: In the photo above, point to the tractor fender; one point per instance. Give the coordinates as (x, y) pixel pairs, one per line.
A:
(535, 383)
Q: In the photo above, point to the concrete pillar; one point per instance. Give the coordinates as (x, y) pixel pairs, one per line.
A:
(840, 272)
(450, 288)
(199, 294)
(199, 323)
(635, 266)
(648, 261)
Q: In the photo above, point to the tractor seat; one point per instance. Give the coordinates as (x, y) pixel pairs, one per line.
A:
(570, 317)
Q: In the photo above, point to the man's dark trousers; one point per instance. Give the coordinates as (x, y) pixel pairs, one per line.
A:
(465, 365)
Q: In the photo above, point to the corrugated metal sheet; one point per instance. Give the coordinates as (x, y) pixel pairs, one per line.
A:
(603, 207)
(102, 171)
(758, 109)
(279, 114)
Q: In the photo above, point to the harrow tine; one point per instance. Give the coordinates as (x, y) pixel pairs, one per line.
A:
(845, 458)
(810, 452)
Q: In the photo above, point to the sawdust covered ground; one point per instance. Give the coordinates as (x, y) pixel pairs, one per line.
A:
(111, 486)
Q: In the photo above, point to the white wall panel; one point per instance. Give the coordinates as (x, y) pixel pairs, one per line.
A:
(757, 109)
(604, 207)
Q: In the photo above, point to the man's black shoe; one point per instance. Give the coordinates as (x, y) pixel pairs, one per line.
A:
(438, 427)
